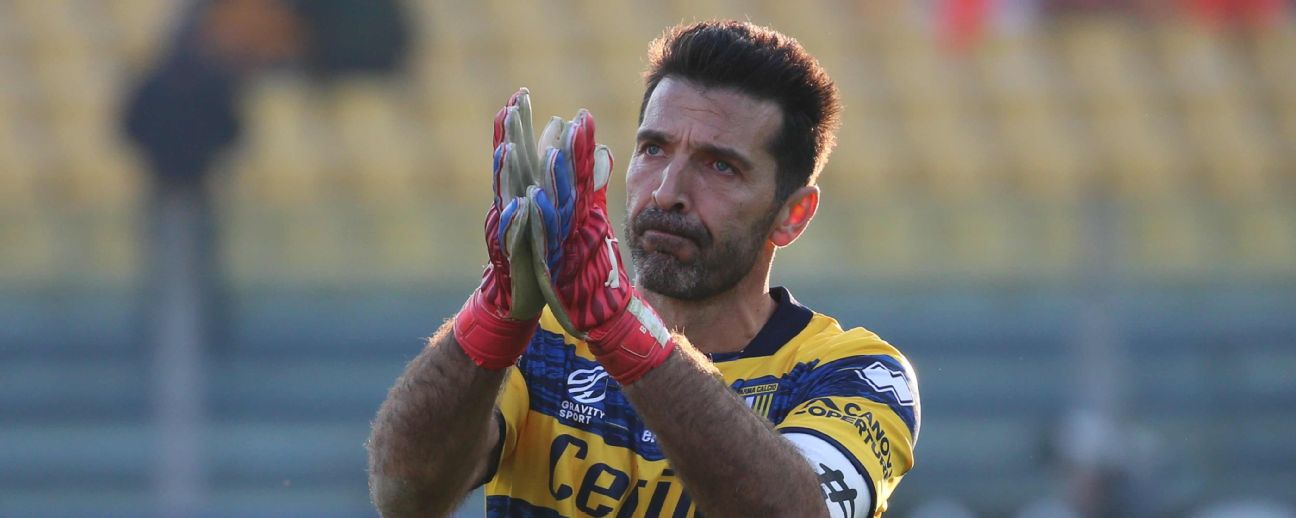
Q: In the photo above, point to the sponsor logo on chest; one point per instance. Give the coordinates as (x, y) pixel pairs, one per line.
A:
(586, 390)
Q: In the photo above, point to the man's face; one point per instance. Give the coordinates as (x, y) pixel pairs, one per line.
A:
(700, 188)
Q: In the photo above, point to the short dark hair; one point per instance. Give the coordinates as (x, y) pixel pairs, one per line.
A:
(765, 64)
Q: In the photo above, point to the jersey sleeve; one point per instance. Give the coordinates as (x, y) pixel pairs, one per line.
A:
(512, 407)
(845, 489)
(510, 411)
(863, 400)
(514, 402)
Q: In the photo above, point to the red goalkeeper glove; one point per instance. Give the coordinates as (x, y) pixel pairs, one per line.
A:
(577, 259)
(498, 320)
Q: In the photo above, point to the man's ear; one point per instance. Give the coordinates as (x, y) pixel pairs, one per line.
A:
(795, 215)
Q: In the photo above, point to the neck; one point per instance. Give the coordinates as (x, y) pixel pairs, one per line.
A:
(725, 322)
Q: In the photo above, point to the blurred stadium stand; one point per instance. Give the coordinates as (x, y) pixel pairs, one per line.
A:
(954, 223)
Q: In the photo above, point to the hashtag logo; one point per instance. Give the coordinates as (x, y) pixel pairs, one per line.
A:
(832, 483)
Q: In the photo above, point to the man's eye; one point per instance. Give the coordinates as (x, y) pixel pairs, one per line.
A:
(722, 166)
(652, 149)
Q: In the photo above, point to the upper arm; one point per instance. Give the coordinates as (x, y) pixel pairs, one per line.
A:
(866, 408)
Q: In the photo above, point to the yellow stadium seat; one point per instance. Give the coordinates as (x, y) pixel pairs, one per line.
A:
(1168, 240)
(957, 163)
(1133, 139)
(246, 233)
(14, 34)
(45, 17)
(143, 26)
(1264, 238)
(1054, 245)
(1015, 71)
(98, 169)
(871, 161)
(104, 245)
(20, 185)
(316, 244)
(459, 136)
(1102, 53)
(303, 245)
(890, 238)
(979, 238)
(474, 67)
(29, 255)
(25, 157)
(933, 96)
(375, 140)
(1220, 113)
(1198, 58)
(1043, 151)
(83, 116)
(820, 26)
(613, 51)
(1271, 51)
(1239, 157)
(446, 27)
(1047, 158)
(532, 39)
(1273, 45)
(873, 157)
(406, 249)
(697, 10)
(408, 243)
(285, 151)
(1143, 160)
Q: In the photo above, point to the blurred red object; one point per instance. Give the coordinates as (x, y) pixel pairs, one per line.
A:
(962, 22)
(1235, 13)
(249, 34)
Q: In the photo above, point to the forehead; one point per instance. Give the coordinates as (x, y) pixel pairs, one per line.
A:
(720, 116)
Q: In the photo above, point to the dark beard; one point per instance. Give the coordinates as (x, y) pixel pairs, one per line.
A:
(719, 265)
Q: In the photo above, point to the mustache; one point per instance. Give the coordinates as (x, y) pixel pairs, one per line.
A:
(653, 218)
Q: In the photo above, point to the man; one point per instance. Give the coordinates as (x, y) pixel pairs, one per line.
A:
(757, 406)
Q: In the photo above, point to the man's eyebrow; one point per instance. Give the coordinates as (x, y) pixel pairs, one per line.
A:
(722, 152)
(652, 134)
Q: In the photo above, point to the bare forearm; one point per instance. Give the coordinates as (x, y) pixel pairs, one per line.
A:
(434, 431)
(732, 461)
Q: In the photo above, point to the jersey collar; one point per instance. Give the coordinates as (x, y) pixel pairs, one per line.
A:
(789, 318)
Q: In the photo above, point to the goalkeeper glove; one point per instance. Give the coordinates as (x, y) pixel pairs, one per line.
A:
(498, 320)
(577, 259)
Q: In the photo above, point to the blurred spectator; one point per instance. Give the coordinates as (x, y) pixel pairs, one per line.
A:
(183, 115)
(347, 37)
(1110, 468)
(185, 112)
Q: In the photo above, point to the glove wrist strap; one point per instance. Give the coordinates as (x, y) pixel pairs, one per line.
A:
(492, 341)
(633, 343)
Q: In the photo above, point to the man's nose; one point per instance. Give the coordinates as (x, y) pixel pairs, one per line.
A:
(672, 190)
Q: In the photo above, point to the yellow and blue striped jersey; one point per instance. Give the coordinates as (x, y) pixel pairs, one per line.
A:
(573, 446)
